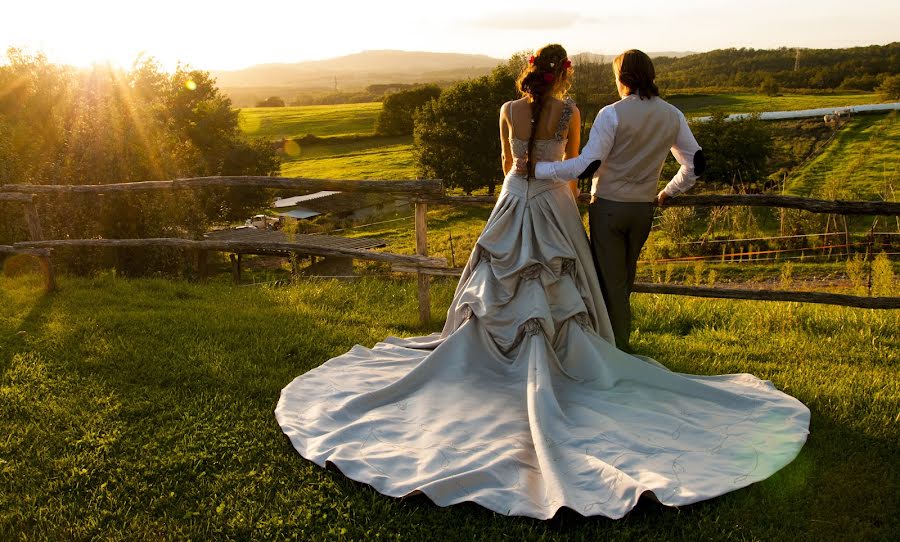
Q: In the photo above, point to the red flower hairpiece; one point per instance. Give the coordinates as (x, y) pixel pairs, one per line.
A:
(567, 64)
(531, 59)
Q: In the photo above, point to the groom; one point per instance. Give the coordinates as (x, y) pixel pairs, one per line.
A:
(624, 155)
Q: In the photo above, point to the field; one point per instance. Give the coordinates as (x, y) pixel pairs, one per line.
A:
(389, 158)
(275, 123)
(696, 105)
(142, 410)
(862, 161)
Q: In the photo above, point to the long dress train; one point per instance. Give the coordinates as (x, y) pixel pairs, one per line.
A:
(522, 403)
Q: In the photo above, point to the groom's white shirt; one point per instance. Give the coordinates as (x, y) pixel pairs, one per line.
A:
(631, 139)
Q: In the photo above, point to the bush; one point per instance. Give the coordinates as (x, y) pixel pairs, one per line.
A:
(396, 116)
(737, 151)
(272, 101)
(456, 135)
(890, 87)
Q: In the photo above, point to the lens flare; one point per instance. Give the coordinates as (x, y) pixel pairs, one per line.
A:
(20, 264)
(291, 148)
(190, 84)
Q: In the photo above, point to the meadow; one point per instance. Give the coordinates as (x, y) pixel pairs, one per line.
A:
(275, 123)
(862, 161)
(696, 105)
(143, 410)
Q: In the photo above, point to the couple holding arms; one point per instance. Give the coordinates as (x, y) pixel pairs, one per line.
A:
(528, 400)
(628, 144)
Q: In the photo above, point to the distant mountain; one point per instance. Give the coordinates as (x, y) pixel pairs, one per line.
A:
(352, 73)
(358, 70)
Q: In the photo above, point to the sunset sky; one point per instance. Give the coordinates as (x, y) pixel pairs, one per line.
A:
(230, 35)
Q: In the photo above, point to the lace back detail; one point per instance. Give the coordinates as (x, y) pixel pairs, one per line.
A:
(545, 150)
(562, 129)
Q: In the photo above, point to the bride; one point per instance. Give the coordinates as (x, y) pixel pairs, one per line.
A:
(522, 403)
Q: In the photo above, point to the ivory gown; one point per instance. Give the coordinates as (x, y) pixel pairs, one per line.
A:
(522, 403)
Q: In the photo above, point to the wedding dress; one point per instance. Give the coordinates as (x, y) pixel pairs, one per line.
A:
(522, 403)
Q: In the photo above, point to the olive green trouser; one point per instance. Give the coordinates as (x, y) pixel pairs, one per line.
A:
(618, 232)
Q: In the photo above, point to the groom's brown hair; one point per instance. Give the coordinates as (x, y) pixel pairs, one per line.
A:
(635, 70)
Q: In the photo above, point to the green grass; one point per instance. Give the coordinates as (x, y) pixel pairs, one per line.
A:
(862, 161)
(389, 158)
(695, 105)
(143, 410)
(275, 123)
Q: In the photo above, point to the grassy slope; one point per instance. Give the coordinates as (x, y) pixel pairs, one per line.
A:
(388, 158)
(861, 161)
(142, 410)
(705, 104)
(275, 123)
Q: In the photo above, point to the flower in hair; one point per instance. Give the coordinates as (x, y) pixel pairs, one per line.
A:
(552, 65)
(549, 77)
(531, 59)
(567, 64)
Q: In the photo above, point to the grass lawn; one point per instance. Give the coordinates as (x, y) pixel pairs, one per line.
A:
(275, 123)
(142, 410)
(389, 158)
(862, 161)
(696, 105)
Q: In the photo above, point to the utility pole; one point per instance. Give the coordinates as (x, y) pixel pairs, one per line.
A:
(797, 60)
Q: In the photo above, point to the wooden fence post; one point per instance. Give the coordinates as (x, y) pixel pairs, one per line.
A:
(236, 267)
(37, 234)
(424, 292)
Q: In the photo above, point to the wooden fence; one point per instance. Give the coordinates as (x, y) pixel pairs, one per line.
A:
(423, 193)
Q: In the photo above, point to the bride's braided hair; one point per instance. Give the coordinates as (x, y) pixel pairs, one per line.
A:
(546, 74)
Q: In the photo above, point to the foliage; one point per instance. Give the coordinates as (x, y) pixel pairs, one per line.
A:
(99, 126)
(456, 136)
(397, 113)
(271, 101)
(890, 87)
(737, 151)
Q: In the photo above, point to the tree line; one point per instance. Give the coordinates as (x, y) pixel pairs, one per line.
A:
(855, 68)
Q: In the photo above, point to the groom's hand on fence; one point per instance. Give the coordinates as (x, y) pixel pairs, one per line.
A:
(661, 198)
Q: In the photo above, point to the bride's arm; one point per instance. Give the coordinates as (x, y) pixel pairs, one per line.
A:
(573, 144)
(506, 156)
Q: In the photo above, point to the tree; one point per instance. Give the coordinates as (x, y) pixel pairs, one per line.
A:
(456, 137)
(396, 116)
(890, 87)
(769, 86)
(65, 126)
(737, 151)
(271, 101)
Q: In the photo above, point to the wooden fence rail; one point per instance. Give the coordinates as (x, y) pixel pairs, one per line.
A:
(242, 246)
(422, 192)
(421, 188)
(874, 208)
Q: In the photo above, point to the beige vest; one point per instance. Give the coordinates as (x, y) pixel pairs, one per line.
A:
(646, 131)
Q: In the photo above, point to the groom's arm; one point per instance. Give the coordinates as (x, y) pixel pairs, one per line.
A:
(689, 154)
(600, 141)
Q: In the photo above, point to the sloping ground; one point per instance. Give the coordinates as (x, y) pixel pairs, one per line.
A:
(365, 158)
(275, 123)
(143, 410)
(861, 162)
